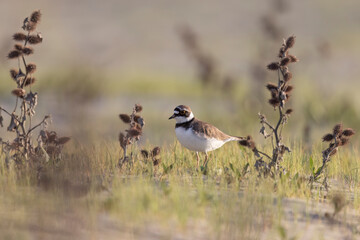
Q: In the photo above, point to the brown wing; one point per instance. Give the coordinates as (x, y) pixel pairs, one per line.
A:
(208, 129)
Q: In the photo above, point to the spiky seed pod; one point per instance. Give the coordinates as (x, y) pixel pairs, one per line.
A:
(14, 54)
(155, 151)
(138, 108)
(274, 102)
(29, 81)
(337, 130)
(290, 41)
(273, 66)
(348, 132)
(30, 68)
(145, 154)
(285, 61)
(125, 118)
(13, 73)
(62, 140)
(344, 141)
(271, 86)
(19, 37)
(35, 16)
(293, 58)
(28, 50)
(327, 137)
(156, 162)
(287, 76)
(122, 140)
(288, 88)
(34, 39)
(289, 111)
(30, 26)
(19, 92)
(274, 93)
(18, 47)
(133, 132)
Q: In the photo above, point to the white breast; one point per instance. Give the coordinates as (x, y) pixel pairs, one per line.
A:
(195, 142)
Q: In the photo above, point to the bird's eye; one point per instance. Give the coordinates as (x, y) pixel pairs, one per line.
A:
(182, 112)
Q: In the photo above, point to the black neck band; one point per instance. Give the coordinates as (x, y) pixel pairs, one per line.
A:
(184, 124)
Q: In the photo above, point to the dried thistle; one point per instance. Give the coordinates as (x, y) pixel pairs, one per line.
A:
(348, 132)
(35, 16)
(337, 130)
(337, 139)
(138, 108)
(125, 118)
(290, 41)
(34, 39)
(273, 66)
(19, 37)
(136, 123)
(293, 58)
(285, 61)
(30, 68)
(19, 92)
(14, 54)
(289, 111)
(328, 137)
(280, 95)
(28, 51)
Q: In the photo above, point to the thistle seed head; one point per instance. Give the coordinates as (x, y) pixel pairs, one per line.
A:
(125, 118)
(285, 61)
(337, 130)
(14, 54)
(138, 108)
(19, 92)
(155, 151)
(290, 41)
(328, 137)
(273, 66)
(30, 68)
(34, 39)
(348, 132)
(289, 111)
(28, 50)
(35, 16)
(19, 37)
(293, 58)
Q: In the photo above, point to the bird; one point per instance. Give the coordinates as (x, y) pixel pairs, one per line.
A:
(197, 135)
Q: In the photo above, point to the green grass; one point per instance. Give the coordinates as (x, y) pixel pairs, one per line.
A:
(87, 191)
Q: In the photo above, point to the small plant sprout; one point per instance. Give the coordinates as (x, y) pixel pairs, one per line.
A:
(133, 133)
(279, 96)
(339, 137)
(21, 117)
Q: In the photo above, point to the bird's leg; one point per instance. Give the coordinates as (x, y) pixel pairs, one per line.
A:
(206, 159)
(197, 158)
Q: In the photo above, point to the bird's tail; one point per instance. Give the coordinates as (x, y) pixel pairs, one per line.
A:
(235, 138)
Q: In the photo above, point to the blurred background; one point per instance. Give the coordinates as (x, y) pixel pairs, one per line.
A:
(99, 58)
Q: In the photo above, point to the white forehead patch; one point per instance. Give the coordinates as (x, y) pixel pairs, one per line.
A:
(176, 112)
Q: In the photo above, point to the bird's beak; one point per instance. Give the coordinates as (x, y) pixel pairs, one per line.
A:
(172, 116)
